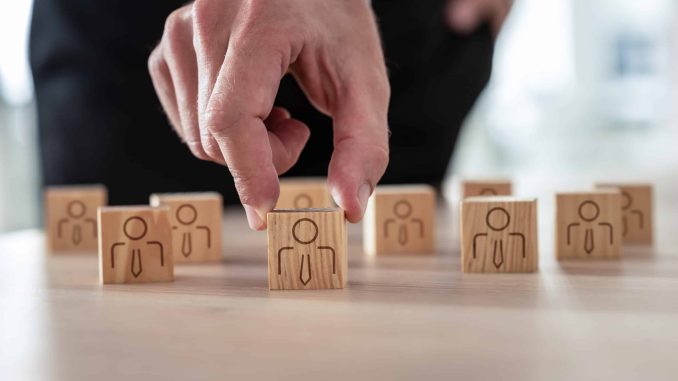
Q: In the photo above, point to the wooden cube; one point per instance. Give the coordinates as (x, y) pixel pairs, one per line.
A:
(499, 235)
(472, 188)
(71, 217)
(400, 219)
(306, 249)
(589, 224)
(135, 244)
(637, 212)
(304, 192)
(196, 220)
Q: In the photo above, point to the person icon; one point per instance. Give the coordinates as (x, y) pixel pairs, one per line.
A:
(488, 192)
(589, 212)
(305, 232)
(135, 229)
(403, 210)
(628, 212)
(186, 215)
(498, 219)
(76, 210)
(302, 201)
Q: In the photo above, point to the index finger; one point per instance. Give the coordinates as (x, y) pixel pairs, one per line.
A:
(242, 98)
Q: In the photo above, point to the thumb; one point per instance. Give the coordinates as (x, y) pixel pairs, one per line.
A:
(360, 152)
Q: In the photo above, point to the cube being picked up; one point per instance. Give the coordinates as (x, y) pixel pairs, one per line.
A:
(306, 249)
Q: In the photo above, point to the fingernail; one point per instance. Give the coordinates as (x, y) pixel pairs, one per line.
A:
(364, 193)
(255, 221)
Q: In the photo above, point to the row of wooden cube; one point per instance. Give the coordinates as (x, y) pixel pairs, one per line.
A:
(142, 243)
(498, 234)
(135, 243)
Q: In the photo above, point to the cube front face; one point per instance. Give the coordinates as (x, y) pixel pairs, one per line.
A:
(135, 245)
(196, 221)
(307, 249)
(637, 212)
(499, 235)
(588, 225)
(304, 193)
(71, 217)
(486, 188)
(399, 222)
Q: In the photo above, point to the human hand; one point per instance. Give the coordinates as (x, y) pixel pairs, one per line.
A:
(217, 70)
(465, 16)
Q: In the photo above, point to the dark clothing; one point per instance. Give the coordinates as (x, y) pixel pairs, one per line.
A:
(101, 122)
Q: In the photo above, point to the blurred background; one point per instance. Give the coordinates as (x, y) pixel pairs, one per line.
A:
(581, 90)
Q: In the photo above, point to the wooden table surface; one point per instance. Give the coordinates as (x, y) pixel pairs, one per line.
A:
(401, 317)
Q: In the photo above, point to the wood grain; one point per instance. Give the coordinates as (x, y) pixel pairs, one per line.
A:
(71, 215)
(196, 220)
(499, 235)
(588, 225)
(135, 244)
(306, 249)
(400, 219)
(473, 188)
(637, 212)
(304, 192)
(399, 317)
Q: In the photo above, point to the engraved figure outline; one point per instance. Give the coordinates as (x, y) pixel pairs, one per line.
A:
(305, 274)
(402, 217)
(589, 219)
(75, 210)
(188, 220)
(296, 202)
(627, 212)
(498, 257)
(488, 191)
(136, 266)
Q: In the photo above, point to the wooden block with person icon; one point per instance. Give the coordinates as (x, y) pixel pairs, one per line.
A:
(196, 220)
(304, 192)
(472, 188)
(637, 212)
(499, 235)
(135, 244)
(400, 219)
(589, 224)
(306, 249)
(71, 217)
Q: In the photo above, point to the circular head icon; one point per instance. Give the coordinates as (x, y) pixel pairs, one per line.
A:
(628, 200)
(402, 209)
(301, 232)
(498, 219)
(76, 209)
(589, 211)
(488, 192)
(186, 214)
(135, 228)
(303, 201)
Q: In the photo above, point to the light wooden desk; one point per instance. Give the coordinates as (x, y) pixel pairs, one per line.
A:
(399, 318)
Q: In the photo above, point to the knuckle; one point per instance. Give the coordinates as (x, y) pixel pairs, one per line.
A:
(212, 151)
(381, 156)
(196, 150)
(204, 21)
(218, 121)
(177, 25)
(244, 184)
(155, 64)
(172, 24)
